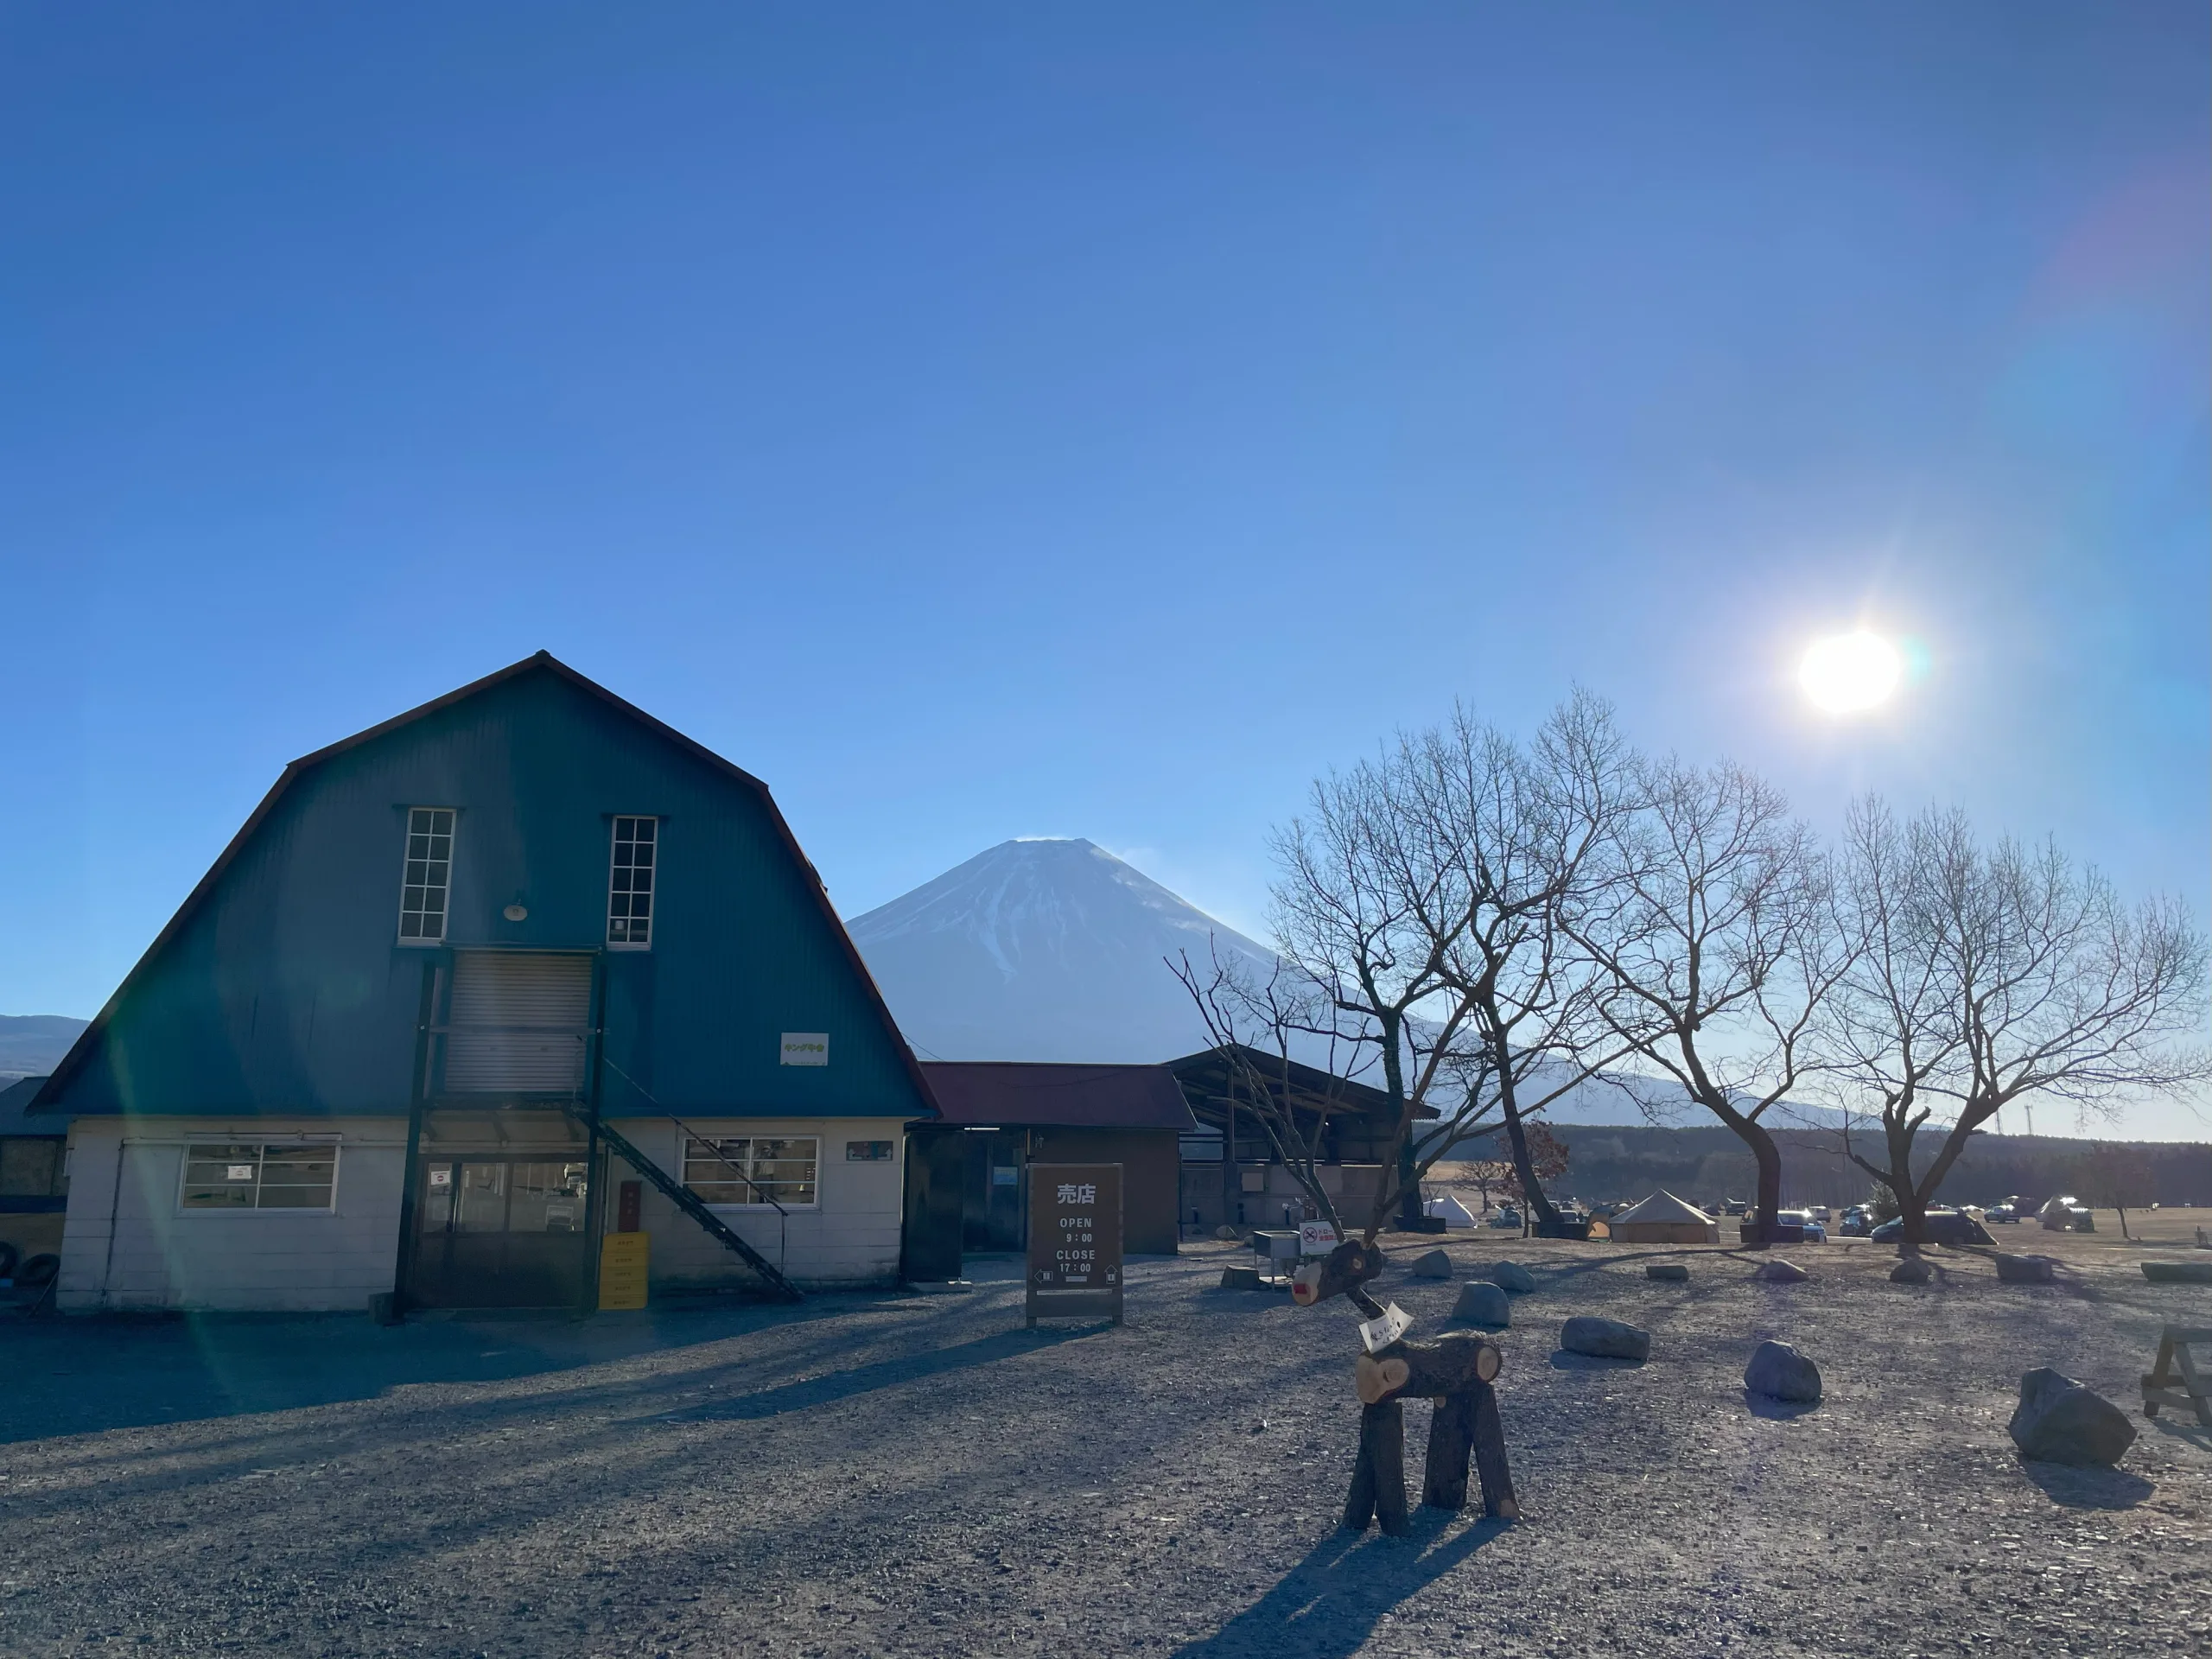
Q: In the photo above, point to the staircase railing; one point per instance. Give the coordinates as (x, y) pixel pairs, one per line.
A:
(688, 1201)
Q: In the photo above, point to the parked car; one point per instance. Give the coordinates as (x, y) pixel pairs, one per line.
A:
(1506, 1217)
(1809, 1229)
(2003, 1213)
(1944, 1227)
(1735, 1206)
(1856, 1222)
(1818, 1212)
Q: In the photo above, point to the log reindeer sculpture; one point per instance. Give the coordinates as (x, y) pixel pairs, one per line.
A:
(1456, 1372)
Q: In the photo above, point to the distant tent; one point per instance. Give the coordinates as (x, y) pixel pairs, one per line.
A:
(1663, 1218)
(1455, 1213)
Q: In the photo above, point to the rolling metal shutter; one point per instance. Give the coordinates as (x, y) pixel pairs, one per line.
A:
(518, 1023)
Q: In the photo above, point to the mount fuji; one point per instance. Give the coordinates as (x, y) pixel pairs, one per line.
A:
(1045, 951)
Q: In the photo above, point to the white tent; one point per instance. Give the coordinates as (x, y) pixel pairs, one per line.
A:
(1455, 1213)
(1663, 1218)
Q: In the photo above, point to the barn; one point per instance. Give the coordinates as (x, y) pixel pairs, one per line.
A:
(469, 992)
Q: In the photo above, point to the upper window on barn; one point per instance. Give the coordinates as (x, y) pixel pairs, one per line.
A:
(427, 876)
(630, 886)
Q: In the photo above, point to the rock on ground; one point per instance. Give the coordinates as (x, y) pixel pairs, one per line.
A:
(1778, 1272)
(1481, 1303)
(1434, 1265)
(1585, 1333)
(1780, 1372)
(1913, 1270)
(1240, 1278)
(1511, 1276)
(1677, 1271)
(2025, 1269)
(2060, 1420)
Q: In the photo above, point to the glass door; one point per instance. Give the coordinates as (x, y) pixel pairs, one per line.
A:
(498, 1232)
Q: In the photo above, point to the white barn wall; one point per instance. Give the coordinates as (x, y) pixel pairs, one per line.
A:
(849, 1242)
(126, 1243)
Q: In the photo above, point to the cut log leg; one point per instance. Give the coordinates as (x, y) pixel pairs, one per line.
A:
(1388, 1456)
(1359, 1505)
(1489, 1437)
(1444, 1479)
(1378, 1477)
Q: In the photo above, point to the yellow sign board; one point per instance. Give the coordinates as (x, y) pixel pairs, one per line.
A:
(622, 1261)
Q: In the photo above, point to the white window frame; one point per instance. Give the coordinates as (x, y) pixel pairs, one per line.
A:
(262, 1149)
(424, 941)
(652, 881)
(757, 1205)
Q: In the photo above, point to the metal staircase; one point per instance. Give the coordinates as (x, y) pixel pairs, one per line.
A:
(684, 1199)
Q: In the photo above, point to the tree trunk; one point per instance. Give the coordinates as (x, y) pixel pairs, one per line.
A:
(1912, 1204)
(1516, 1136)
(1524, 1166)
(1769, 1159)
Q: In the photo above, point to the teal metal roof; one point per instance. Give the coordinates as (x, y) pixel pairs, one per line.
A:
(281, 986)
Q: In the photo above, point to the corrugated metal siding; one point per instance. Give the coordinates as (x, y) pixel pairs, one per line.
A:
(289, 990)
(518, 1022)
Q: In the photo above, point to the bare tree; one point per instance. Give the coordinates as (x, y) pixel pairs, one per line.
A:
(2118, 1175)
(1985, 976)
(1521, 832)
(1717, 946)
(1364, 910)
(1247, 1016)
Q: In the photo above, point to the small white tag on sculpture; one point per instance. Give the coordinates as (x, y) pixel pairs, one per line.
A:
(1381, 1333)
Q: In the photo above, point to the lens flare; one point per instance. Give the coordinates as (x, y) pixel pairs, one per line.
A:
(1851, 673)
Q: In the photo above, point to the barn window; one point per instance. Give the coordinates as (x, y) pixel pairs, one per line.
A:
(630, 886)
(426, 876)
(228, 1176)
(752, 1169)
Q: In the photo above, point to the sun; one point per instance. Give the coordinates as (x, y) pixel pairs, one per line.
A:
(1850, 673)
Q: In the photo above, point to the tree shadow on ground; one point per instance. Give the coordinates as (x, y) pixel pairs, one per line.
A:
(1328, 1606)
(2088, 1489)
(833, 1386)
(1780, 1411)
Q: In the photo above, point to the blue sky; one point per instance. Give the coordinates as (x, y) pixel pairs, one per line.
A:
(984, 421)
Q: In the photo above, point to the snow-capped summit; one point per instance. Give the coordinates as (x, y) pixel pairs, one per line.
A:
(1044, 951)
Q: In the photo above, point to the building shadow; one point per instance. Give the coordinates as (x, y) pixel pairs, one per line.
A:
(2088, 1489)
(1328, 1606)
(87, 1374)
(833, 1386)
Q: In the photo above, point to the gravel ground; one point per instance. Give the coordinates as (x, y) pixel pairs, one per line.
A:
(917, 1474)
